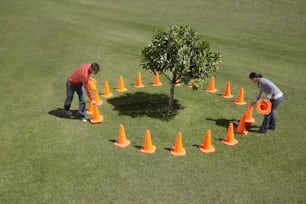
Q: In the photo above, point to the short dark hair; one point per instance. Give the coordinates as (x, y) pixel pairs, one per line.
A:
(254, 75)
(95, 67)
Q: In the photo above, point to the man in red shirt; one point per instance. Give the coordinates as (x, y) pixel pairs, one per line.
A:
(77, 82)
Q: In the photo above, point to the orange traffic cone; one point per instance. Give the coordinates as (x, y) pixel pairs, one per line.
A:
(156, 81)
(148, 147)
(107, 93)
(206, 147)
(263, 106)
(139, 81)
(178, 149)
(90, 108)
(227, 92)
(230, 138)
(211, 87)
(241, 126)
(97, 98)
(122, 141)
(121, 87)
(92, 85)
(96, 117)
(240, 99)
(249, 115)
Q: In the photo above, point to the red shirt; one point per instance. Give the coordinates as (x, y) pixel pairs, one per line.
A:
(81, 76)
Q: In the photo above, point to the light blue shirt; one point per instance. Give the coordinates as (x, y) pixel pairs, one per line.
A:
(269, 89)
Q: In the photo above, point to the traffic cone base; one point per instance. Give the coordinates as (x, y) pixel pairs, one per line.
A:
(209, 150)
(149, 151)
(123, 145)
(240, 103)
(96, 120)
(156, 81)
(211, 91)
(181, 153)
(231, 143)
(122, 142)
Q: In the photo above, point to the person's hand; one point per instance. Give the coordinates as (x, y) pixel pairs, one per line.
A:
(93, 102)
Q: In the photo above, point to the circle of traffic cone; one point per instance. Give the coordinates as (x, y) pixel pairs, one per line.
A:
(241, 126)
(156, 81)
(178, 149)
(206, 147)
(122, 141)
(121, 87)
(139, 83)
(97, 98)
(148, 147)
(249, 115)
(106, 93)
(211, 87)
(240, 99)
(263, 106)
(96, 117)
(230, 138)
(90, 108)
(227, 92)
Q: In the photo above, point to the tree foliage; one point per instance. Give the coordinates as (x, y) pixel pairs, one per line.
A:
(178, 53)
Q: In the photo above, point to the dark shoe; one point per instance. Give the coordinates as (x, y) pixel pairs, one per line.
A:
(68, 112)
(271, 128)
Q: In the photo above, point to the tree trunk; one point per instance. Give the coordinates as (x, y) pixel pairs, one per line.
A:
(171, 99)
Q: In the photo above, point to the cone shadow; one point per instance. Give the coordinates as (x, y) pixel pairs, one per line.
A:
(141, 104)
(223, 122)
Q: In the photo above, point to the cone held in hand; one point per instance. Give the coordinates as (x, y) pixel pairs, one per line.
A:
(148, 147)
(211, 87)
(178, 149)
(240, 99)
(241, 126)
(121, 87)
(106, 93)
(230, 138)
(122, 142)
(139, 83)
(156, 81)
(227, 92)
(263, 107)
(96, 117)
(206, 147)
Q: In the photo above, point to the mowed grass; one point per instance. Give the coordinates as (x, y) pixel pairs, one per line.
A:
(50, 159)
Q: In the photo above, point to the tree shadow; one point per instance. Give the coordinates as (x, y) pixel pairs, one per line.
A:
(224, 122)
(60, 113)
(145, 104)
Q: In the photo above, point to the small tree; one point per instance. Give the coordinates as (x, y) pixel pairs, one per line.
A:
(179, 54)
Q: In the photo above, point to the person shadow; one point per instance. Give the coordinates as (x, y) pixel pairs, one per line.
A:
(60, 113)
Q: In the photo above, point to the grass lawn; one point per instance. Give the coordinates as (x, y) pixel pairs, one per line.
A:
(47, 158)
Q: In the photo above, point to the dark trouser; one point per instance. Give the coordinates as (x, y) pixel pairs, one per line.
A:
(269, 119)
(70, 89)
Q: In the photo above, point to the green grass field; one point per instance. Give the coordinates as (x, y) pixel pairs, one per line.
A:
(49, 159)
